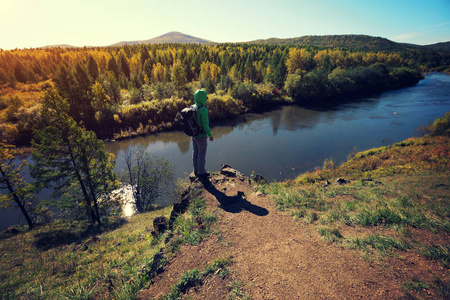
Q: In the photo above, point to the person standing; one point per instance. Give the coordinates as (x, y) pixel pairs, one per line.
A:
(200, 141)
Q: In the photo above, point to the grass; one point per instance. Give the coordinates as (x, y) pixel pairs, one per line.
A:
(237, 291)
(64, 260)
(420, 201)
(69, 261)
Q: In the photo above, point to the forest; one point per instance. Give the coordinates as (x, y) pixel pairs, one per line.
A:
(123, 91)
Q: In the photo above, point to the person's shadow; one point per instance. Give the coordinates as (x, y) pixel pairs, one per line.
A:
(234, 204)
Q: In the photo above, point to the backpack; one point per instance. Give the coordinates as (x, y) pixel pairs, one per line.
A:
(188, 121)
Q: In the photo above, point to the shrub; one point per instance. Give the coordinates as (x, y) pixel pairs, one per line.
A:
(221, 107)
(14, 105)
(439, 126)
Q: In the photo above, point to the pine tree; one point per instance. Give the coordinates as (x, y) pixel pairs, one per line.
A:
(92, 68)
(144, 55)
(71, 160)
(124, 65)
(113, 67)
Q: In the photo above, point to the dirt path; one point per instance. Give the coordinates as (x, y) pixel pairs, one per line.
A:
(273, 256)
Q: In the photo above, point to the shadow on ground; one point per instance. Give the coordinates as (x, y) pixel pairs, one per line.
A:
(233, 204)
(66, 235)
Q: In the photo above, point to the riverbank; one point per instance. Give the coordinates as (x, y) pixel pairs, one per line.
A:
(381, 231)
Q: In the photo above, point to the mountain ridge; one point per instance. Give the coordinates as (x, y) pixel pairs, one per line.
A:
(168, 38)
(354, 41)
(349, 41)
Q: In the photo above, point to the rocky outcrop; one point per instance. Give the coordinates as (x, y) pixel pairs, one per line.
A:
(160, 224)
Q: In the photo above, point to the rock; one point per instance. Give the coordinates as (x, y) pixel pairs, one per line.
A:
(365, 180)
(325, 183)
(225, 166)
(240, 195)
(168, 237)
(229, 172)
(155, 266)
(258, 179)
(259, 194)
(160, 225)
(192, 176)
(341, 181)
(179, 208)
(218, 179)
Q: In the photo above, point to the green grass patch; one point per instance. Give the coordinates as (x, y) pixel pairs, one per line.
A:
(420, 201)
(237, 291)
(441, 253)
(330, 234)
(193, 226)
(382, 243)
(414, 285)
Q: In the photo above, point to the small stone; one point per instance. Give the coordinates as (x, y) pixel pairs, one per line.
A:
(341, 181)
(258, 179)
(225, 166)
(229, 172)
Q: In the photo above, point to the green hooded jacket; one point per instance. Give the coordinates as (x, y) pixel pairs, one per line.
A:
(200, 97)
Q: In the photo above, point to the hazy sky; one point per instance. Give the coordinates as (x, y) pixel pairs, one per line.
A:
(36, 23)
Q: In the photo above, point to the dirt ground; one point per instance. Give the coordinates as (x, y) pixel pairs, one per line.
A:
(275, 257)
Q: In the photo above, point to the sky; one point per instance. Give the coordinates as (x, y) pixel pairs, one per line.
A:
(38, 23)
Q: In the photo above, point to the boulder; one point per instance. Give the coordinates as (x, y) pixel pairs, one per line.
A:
(258, 179)
(160, 225)
(229, 172)
(179, 208)
(225, 166)
(341, 181)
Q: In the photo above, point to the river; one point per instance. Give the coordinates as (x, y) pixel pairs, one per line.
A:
(291, 140)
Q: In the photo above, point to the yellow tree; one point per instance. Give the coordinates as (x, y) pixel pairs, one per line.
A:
(100, 100)
(214, 70)
(322, 59)
(234, 72)
(298, 59)
(158, 72)
(205, 72)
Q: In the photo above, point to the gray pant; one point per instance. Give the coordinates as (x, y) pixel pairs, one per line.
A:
(200, 144)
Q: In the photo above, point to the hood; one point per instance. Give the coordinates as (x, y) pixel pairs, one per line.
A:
(200, 97)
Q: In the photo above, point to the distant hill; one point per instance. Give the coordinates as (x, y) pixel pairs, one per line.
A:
(60, 46)
(350, 41)
(439, 46)
(171, 37)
